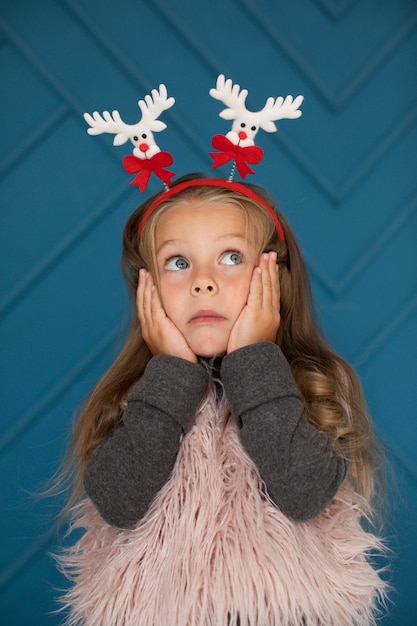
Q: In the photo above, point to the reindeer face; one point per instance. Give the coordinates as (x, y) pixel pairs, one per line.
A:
(144, 143)
(243, 132)
(245, 128)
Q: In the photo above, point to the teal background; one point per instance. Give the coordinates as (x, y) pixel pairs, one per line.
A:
(344, 174)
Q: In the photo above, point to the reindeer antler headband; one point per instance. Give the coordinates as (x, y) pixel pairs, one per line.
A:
(237, 145)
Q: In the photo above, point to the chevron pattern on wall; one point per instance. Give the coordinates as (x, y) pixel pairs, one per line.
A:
(344, 174)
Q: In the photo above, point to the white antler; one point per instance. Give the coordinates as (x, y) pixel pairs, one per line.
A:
(231, 95)
(108, 124)
(247, 123)
(277, 110)
(152, 106)
(140, 134)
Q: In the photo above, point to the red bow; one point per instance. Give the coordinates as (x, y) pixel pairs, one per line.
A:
(230, 151)
(145, 167)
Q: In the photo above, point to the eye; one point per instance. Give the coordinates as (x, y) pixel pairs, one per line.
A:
(135, 138)
(253, 127)
(242, 125)
(232, 258)
(176, 263)
(144, 136)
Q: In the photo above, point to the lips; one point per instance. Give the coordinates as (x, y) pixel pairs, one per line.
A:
(206, 316)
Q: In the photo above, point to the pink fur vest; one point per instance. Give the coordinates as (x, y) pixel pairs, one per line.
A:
(212, 548)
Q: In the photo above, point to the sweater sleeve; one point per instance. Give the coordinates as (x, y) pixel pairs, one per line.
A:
(296, 462)
(130, 466)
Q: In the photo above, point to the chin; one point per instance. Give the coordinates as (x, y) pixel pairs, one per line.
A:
(207, 343)
(209, 350)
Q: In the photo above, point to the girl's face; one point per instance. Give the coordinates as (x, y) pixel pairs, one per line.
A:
(205, 265)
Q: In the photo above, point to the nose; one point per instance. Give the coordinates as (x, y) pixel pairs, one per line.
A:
(242, 134)
(143, 147)
(204, 283)
(203, 289)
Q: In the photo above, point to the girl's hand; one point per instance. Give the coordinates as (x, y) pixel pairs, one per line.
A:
(158, 331)
(260, 317)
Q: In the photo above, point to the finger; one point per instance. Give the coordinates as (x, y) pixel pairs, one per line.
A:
(274, 277)
(147, 298)
(276, 290)
(266, 264)
(157, 310)
(270, 279)
(154, 310)
(255, 288)
(140, 296)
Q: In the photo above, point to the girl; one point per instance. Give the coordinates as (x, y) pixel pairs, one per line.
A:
(226, 455)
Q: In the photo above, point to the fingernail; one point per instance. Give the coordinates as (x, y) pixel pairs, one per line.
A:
(265, 255)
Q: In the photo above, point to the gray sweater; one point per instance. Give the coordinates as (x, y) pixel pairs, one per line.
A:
(296, 462)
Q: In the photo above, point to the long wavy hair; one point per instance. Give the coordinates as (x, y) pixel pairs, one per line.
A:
(331, 392)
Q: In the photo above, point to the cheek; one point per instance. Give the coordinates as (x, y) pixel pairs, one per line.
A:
(170, 296)
(164, 292)
(241, 289)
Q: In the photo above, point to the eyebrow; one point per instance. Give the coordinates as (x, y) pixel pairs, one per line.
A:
(179, 242)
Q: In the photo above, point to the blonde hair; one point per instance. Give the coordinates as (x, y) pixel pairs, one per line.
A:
(330, 389)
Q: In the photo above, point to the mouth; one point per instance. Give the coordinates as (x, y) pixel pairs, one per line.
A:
(206, 316)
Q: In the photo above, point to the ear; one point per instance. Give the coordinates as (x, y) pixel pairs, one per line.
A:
(268, 126)
(120, 139)
(156, 126)
(228, 114)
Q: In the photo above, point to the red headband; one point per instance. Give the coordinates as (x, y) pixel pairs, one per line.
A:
(212, 182)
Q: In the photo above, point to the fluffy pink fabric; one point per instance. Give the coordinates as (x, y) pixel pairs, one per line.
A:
(212, 547)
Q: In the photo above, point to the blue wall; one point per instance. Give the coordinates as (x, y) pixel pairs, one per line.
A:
(345, 176)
